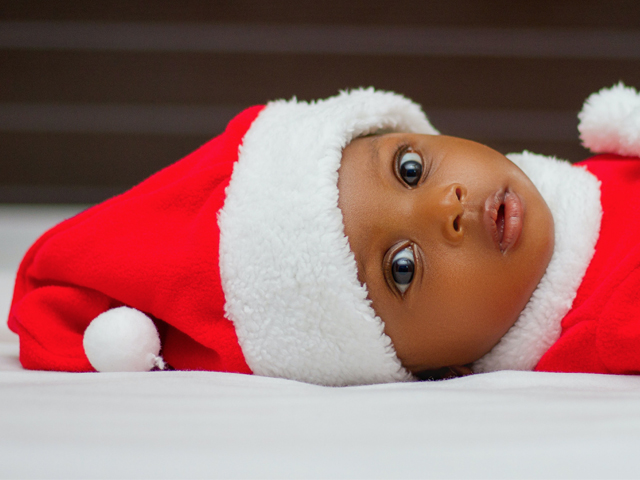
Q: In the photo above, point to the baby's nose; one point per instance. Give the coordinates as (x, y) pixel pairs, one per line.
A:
(451, 209)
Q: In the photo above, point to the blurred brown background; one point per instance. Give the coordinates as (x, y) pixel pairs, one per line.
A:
(97, 95)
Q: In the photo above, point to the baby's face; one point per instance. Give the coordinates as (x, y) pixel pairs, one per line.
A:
(450, 238)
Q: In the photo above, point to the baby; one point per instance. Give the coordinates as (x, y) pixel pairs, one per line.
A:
(346, 242)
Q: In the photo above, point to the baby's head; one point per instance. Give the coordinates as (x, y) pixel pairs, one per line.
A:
(359, 246)
(450, 239)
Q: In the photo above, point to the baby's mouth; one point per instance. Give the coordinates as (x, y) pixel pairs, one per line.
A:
(503, 218)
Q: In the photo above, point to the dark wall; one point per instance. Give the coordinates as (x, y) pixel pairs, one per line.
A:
(95, 96)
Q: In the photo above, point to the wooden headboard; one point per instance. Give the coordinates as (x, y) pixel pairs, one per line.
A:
(97, 95)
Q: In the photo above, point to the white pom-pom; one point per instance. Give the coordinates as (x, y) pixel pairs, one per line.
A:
(122, 339)
(610, 121)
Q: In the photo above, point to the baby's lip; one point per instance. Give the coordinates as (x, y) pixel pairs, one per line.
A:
(504, 218)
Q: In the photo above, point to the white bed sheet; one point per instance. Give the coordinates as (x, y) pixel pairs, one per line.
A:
(213, 425)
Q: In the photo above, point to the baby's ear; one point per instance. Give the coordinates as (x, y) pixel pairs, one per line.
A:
(445, 373)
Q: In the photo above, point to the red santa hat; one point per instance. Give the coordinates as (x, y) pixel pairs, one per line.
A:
(232, 259)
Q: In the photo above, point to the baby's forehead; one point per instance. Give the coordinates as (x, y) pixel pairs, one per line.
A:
(362, 154)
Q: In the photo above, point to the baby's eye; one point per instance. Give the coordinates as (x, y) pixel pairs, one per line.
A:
(402, 267)
(410, 168)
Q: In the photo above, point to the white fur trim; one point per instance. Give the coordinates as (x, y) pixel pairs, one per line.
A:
(573, 196)
(288, 274)
(610, 121)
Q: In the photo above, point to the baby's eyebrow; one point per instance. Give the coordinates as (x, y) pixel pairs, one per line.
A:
(374, 159)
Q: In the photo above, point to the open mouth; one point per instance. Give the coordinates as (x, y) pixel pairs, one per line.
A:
(503, 217)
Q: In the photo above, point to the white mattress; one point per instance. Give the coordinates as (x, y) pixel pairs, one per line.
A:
(216, 425)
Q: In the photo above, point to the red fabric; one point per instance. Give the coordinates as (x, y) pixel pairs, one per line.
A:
(153, 248)
(601, 333)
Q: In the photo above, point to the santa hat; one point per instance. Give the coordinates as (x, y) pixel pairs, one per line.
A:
(233, 259)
